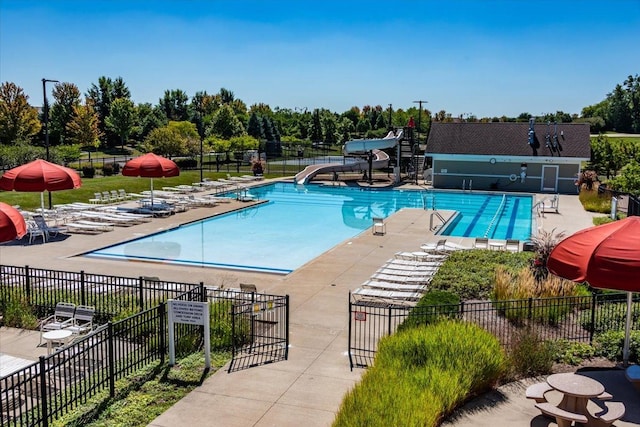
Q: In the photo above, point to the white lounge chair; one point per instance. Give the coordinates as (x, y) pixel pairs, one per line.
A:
(481, 243)
(397, 297)
(405, 287)
(73, 227)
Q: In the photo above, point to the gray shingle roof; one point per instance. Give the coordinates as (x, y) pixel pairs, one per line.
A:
(509, 139)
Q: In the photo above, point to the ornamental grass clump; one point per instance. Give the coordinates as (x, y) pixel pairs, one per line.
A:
(421, 375)
(548, 293)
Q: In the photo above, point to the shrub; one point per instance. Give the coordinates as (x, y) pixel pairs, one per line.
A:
(470, 274)
(611, 343)
(594, 202)
(573, 353)
(187, 163)
(422, 374)
(529, 355)
(88, 171)
(110, 169)
(17, 313)
(433, 306)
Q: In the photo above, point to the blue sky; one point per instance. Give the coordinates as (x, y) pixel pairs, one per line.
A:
(486, 58)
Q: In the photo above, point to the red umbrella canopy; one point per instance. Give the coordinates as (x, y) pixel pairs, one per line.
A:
(606, 256)
(38, 176)
(12, 224)
(151, 166)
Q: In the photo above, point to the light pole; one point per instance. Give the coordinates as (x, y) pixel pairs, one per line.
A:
(390, 125)
(418, 142)
(46, 120)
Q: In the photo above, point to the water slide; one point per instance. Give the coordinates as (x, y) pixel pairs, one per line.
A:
(357, 147)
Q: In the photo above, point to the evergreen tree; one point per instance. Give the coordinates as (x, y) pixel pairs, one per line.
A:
(255, 128)
(315, 133)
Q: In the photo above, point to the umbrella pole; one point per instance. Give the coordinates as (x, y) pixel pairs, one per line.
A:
(151, 193)
(42, 202)
(627, 330)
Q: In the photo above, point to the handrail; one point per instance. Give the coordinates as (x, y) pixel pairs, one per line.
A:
(495, 216)
(440, 217)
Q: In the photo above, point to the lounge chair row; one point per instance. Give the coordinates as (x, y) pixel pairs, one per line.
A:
(401, 280)
(113, 196)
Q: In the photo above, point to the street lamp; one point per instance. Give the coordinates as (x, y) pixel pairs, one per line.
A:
(418, 142)
(46, 121)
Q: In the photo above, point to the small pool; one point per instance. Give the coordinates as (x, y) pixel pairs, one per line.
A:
(301, 222)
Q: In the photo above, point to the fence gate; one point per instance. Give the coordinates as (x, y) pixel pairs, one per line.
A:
(260, 326)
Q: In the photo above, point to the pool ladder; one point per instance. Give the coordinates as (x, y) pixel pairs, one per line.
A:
(464, 185)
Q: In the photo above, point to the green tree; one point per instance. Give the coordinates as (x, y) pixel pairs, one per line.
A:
(148, 118)
(174, 103)
(225, 124)
(66, 96)
(101, 96)
(254, 128)
(190, 137)
(164, 141)
(315, 132)
(18, 120)
(330, 128)
(121, 119)
(629, 179)
(83, 128)
(632, 85)
(619, 114)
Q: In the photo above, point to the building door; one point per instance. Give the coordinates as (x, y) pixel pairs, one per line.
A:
(549, 178)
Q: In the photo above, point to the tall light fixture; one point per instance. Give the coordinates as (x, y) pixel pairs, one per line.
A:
(415, 165)
(46, 120)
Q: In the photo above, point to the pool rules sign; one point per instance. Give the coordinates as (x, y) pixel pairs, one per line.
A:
(190, 313)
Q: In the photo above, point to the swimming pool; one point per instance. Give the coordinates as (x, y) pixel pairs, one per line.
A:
(301, 222)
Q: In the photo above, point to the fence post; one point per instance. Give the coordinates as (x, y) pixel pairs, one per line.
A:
(530, 308)
(43, 392)
(27, 284)
(461, 312)
(203, 293)
(350, 332)
(141, 293)
(83, 296)
(112, 379)
(592, 329)
(162, 329)
(389, 323)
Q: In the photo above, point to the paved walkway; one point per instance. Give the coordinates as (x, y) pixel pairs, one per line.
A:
(306, 389)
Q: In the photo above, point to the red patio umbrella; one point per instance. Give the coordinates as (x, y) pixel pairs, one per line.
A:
(12, 224)
(607, 256)
(151, 166)
(38, 176)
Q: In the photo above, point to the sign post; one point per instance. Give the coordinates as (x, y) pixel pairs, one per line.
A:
(190, 313)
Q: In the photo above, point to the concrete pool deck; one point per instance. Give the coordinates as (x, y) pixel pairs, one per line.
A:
(306, 389)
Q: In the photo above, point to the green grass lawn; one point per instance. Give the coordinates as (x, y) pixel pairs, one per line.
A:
(29, 201)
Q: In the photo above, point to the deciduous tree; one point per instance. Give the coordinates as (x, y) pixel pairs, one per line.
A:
(66, 96)
(83, 128)
(18, 120)
(121, 119)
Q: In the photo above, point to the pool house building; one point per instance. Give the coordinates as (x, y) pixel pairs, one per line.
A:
(528, 157)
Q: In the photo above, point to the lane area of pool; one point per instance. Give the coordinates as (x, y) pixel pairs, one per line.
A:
(300, 223)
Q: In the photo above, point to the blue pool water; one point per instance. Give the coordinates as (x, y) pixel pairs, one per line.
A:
(301, 222)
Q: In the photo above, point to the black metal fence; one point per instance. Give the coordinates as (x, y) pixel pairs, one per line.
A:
(110, 295)
(260, 331)
(253, 326)
(58, 383)
(562, 318)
